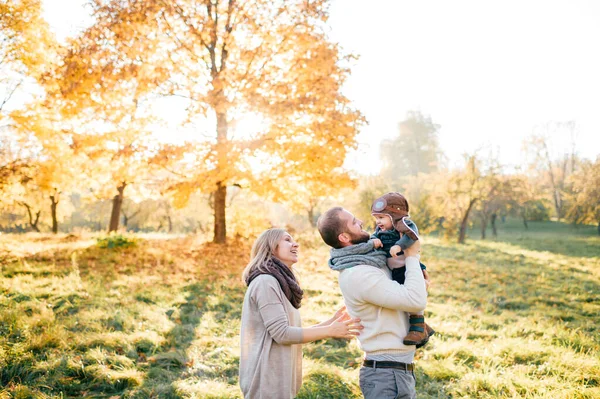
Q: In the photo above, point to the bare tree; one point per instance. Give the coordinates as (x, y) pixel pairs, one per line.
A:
(555, 158)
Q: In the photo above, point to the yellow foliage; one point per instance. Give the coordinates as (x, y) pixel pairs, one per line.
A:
(229, 59)
(247, 222)
(26, 37)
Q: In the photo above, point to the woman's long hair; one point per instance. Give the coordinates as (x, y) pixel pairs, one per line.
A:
(263, 249)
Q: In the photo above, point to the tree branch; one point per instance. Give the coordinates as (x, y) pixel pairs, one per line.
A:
(10, 94)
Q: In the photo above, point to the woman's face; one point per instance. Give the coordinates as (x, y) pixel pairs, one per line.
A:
(287, 250)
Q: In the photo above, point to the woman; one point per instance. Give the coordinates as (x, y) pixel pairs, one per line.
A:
(271, 333)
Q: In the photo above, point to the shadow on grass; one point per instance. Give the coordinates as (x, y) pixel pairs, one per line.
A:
(72, 325)
(327, 384)
(171, 362)
(336, 352)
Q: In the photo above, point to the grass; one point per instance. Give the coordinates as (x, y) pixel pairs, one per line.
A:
(516, 316)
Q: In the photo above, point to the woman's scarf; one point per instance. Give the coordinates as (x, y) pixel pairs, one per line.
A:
(284, 275)
(354, 255)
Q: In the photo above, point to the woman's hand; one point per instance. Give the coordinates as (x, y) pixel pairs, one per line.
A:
(339, 313)
(345, 327)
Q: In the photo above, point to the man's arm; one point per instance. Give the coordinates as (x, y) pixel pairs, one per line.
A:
(377, 288)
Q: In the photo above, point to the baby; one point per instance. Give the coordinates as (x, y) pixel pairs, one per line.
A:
(394, 233)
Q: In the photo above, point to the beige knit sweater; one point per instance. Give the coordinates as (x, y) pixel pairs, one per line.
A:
(383, 305)
(271, 357)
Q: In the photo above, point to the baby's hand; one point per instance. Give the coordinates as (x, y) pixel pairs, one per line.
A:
(425, 274)
(377, 243)
(395, 250)
(427, 280)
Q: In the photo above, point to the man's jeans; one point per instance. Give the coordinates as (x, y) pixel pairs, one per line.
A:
(387, 383)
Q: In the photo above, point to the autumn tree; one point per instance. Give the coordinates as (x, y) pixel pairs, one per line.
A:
(495, 195)
(16, 171)
(56, 166)
(114, 139)
(306, 193)
(584, 204)
(454, 195)
(305, 183)
(24, 36)
(415, 150)
(527, 199)
(118, 161)
(14, 165)
(229, 59)
(31, 53)
(555, 159)
(129, 210)
(26, 45)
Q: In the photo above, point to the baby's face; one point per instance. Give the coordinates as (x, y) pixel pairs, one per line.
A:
(384, 222)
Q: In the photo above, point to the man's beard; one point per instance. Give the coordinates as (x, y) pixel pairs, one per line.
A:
(359, 238)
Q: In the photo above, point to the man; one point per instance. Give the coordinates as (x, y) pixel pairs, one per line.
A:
(381, 304)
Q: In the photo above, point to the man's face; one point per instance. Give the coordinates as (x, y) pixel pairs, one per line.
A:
(354, 228)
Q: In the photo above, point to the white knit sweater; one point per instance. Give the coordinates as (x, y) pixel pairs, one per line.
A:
(383, 305)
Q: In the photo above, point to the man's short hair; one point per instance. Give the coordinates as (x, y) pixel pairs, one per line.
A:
(331, 226)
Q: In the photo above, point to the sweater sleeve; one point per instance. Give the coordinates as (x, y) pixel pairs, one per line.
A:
(405, 241)
(269, 299)
(377, 288)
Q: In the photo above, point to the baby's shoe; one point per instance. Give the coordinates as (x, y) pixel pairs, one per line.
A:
(430, 331)
(419, 331)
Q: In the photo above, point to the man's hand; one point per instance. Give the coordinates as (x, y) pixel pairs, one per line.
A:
(377, 243)
(395, 250)
(413, 250)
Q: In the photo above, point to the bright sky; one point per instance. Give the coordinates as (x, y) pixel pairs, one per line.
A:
(487, 71)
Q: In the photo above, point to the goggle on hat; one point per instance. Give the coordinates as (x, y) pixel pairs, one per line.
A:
(379, 205)
(391, 203)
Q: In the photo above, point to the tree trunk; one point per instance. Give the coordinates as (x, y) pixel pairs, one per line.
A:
(463, 224)
(116, 208)
(33, 223)
(220, 195)
(555, 189)
(525, 222)
(557, 204)
(493, 223)
(170, 223)
(483, 226)
(311, 217)
(127, 219)
(220, 226)
(53, 204)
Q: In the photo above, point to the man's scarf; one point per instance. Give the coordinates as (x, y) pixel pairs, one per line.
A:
(284, 275)
(354, 255)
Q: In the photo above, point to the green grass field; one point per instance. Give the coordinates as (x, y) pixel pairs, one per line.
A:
(516, 316)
